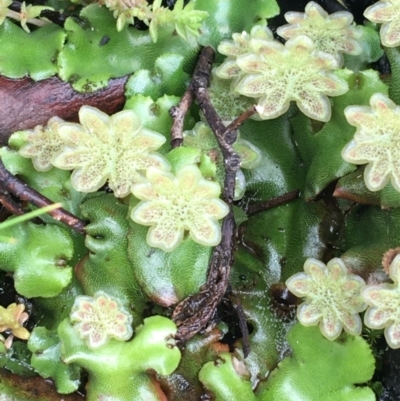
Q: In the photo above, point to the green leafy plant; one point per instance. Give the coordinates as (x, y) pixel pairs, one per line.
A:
(217, 207)
(300, 375)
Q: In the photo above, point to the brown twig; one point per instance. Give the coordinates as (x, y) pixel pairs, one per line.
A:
(237, 122)
(193, 313)
(15, 186)
(251, 210)
(178, 114)
(9, 203)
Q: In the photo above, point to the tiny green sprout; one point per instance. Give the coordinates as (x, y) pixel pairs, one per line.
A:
(386, 12)
(30, 13)
(116, 149)
(371, 336)
(42, 144)
(188, 20)
(273, 78)
(157, 16)
(376, 141)
(125, 11)
(27, 14)
(333, 34)
(172, 204)
(12, 318)
(383, 302)
(99, 318)
(332, 297)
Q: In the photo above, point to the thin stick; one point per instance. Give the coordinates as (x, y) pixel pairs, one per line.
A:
(237, 122)
(178, 114)
(251, 210)
(9, 203)
(18, 188)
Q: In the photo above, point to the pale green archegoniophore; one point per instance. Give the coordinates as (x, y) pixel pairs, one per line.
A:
(104, 148)
(99, 318)
(376, 141)
(239, 45)
(42, 144)
(172, 205)
(332, 297)
(334, 34)
(271, 77)
(241, 42)
(386, 12)
(384, 305)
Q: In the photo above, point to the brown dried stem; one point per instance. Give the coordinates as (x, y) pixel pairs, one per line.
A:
(195, 312)
(9, 203)
(251, 210)
(178, 114)
(23, 191)
(237, 122)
